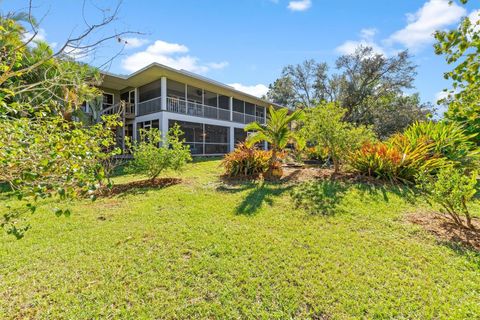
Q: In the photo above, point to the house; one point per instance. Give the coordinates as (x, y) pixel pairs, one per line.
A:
(211, 114)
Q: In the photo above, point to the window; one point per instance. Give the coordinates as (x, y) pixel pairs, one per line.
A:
(149, 91)
(210, 99)
(175, 89)
(107, 100)
(238, 105)
(195, 94)
(260, 111)
(239, 135)
(224, 102)
(147, 125)
(204, 138)
(249, 108)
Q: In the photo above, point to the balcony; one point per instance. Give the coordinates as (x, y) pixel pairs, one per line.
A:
(124, 109)
(194, 109)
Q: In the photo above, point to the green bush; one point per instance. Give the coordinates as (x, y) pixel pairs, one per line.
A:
(245, 161)
(424, 147)
(325, 129)
(152, 155)
(318, 197)
(448, 140)
(452, 189)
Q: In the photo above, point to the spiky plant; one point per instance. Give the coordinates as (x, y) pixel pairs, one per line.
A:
(277, 132)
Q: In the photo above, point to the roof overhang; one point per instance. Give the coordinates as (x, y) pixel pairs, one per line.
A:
(155, 71)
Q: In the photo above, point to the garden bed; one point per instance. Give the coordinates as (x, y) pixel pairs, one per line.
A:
(445, 230)
(140, 184)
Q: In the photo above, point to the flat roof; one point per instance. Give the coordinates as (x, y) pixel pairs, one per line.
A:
(156, 70)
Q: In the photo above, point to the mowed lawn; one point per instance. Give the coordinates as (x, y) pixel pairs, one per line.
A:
(203, 249)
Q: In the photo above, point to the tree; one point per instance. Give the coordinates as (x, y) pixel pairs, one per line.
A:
(461, 48)
(393, 113)
(324, 127)
(277, 132)
(366, 84)
(43, 153)
(152, 155)
(452, 189)
(299, 86)
(367, 77)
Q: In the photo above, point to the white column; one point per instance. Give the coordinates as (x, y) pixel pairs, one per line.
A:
(134, 130)
(230, 107)
(232, 138)
(163, 88)
(163, 123)
(136, 101)
(186, 98)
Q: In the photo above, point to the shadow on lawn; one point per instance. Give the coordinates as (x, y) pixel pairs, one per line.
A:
(259, 193)
(374, 190)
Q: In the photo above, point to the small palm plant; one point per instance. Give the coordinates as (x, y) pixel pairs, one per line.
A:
(276, 132)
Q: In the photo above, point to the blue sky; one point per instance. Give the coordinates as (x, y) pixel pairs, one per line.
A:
(247, 42)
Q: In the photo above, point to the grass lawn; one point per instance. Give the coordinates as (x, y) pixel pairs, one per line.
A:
(202, 249)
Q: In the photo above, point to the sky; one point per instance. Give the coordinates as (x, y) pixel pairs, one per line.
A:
(246, 43)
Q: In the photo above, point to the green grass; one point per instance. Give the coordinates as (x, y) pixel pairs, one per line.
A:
(202, 249)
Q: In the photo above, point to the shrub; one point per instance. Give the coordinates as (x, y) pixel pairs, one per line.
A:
(452, 189)
(318, 197)
(448, 140)
(387, 161)
(245, 161)
(324, 127)
(423, 148)
(152, 155)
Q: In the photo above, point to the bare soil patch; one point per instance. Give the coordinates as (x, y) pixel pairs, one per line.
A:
(142, 184)
(445, 230)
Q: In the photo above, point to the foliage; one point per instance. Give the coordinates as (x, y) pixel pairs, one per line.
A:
(370, 86)
(453, 190)
(277, 132)
(387, 161)
(246, 161)
(152, 154)
(448, 140)
(323, 127)
(461, 48)
(50, 157)
(34, 80)
(393, 113)
(422, 147)
(318, 197)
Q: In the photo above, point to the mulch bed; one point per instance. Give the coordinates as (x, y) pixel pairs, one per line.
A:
(445, 230)
(142, 184)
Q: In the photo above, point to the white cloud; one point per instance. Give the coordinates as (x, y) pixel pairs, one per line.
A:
(255, 90)
(135, 42)
(40, 36)
(366, 40)
(171, 54)
(441, 95)
(434, 15)
(300, 5)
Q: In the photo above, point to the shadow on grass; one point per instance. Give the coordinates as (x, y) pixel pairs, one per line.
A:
(259, 192)
(138, 187)
(407, 193)
(469, 253)
(320, 197)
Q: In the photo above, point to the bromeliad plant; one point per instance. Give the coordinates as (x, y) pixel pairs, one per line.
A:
(246, 161)
(277, 132)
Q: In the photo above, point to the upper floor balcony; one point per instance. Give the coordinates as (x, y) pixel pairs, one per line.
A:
(195, 109)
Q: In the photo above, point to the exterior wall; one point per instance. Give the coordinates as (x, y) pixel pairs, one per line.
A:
(165, 116)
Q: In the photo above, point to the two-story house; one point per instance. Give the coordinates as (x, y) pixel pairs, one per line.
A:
(211, 114)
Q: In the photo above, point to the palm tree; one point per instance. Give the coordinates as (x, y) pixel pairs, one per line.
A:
(276, 132)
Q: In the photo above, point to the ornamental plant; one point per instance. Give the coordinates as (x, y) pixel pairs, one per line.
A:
(452, 189)
(152, 154)
(246, 161)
